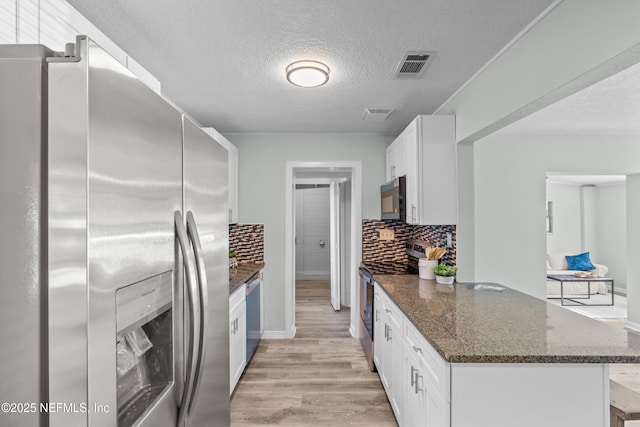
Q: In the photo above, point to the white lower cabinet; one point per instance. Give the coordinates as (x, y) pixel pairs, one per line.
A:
(415, 408)
(438, 412)
(379, 334)
(427, 391)
(415, 377)
(237, 335)
(388, 349)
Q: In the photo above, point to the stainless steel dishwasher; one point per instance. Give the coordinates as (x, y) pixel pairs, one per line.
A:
(254, 329)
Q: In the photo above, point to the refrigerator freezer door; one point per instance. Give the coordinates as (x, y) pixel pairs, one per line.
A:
(131, 138)
(206, 197)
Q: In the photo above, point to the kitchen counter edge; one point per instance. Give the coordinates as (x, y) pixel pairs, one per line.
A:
(429, 329)
(242, 273)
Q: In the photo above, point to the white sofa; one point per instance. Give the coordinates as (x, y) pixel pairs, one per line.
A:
(557, 264)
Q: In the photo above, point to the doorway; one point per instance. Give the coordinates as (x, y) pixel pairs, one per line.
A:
(586, 213)
(342, 181)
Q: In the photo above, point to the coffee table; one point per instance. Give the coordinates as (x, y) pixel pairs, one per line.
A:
(563, 278)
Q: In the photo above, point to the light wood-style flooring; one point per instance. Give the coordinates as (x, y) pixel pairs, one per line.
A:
(627, 375)
(319, 378)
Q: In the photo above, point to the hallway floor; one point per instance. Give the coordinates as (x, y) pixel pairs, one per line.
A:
(319, 378)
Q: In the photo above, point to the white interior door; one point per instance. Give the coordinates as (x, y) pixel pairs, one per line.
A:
(334, 230)
(298, 219)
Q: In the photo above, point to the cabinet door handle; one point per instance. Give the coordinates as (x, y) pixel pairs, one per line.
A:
(413, 213)
(416, 388)
(393, 171)
(386, 331)
(233, 327)
(389, 337)
(377, 315)
(417, 349)
(414, 371)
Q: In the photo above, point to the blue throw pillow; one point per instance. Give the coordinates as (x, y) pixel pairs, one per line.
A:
(580, 262)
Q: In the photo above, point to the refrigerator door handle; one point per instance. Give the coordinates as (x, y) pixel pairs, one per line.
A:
(194, 314)
(192, 233)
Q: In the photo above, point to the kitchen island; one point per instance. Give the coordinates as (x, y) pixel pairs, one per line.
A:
(481, 354)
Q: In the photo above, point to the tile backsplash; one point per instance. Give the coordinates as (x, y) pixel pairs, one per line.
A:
(248, 242)
(374, 249)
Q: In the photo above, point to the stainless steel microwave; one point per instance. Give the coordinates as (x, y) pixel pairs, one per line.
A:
(392, 199)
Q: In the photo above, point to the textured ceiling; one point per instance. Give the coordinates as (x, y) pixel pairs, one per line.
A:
(223, 61)
(611, 106)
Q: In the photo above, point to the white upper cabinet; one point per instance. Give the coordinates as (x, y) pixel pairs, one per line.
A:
(425, 152)
(232, 150)
(390, 171)
(396, 159)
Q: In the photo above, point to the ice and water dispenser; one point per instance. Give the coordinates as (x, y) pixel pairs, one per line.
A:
(144, 360)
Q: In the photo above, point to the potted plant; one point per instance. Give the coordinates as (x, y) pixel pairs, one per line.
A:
(445, 273)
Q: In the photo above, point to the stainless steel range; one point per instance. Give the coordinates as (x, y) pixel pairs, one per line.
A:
(415, 249)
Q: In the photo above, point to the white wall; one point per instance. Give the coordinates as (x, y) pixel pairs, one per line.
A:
(633, 251)
(54, 23)
(561, 54)
(262, 160)
(612, 231)
(509, 191)
(567, 212)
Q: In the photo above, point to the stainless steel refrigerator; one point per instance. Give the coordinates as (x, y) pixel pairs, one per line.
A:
(113, 249)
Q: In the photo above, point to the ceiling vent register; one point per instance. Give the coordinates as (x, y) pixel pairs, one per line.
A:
(375, 114)
(413, 64)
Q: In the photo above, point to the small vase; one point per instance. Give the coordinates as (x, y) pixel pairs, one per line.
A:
(425, 268)
(445, 280)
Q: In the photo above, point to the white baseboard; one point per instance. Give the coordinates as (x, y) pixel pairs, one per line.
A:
(352, 332)
(278, 335)
(632, 325)
(619, 291)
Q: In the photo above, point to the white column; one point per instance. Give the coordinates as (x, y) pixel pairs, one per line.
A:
(633, 251)
(466, 214)
(590, 221)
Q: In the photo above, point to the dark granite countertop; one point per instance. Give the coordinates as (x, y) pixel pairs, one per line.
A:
(469, 325)
(242, 273)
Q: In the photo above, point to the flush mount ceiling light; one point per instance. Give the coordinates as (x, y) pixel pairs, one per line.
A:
(307, 73)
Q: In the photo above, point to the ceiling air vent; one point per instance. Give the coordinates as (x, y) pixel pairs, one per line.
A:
(375, 114)
(413, 64)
